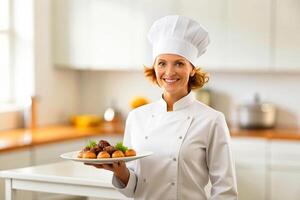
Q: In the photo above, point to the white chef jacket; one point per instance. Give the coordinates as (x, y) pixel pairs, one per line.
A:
(190, 145)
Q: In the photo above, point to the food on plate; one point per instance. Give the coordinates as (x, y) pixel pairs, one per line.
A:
(103, 149)
(109, 149)
(117, 154)
(103, 154)
(88, 154)
(130, 152)
(103, 143)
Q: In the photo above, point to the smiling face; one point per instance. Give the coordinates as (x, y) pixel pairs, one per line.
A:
(173, 73)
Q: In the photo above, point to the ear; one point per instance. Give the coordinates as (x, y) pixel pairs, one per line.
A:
(192, 72)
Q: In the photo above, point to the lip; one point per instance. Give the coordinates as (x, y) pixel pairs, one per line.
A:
(170, 80)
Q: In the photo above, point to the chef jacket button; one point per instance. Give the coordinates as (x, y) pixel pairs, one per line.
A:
(146, 137)
(174, 159)
(152, 115)
(144, 180)
(180, 137)
(172, 183)
(188, 117)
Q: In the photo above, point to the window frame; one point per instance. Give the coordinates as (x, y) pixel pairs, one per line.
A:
(9, 32)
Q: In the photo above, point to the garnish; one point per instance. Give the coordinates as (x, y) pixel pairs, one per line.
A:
(121, 147)
(91, 144)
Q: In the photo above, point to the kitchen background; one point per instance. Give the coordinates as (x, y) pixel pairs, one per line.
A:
(83, 56)
(83, 63)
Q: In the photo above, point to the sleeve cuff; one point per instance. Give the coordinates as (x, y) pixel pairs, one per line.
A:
(129, 189)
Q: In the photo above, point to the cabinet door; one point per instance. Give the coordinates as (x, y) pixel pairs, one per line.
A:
(70, 33)
(287, 35)
(110, 34)
(50, 153)
(285, 184)
(285, 170)
(249, 35)
(212, 15)
(251, 183)
(250, 161)
(11, 160)
(105, 35)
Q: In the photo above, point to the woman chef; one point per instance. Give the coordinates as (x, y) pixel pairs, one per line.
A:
(190, 140)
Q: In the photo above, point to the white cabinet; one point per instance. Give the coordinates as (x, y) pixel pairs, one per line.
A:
(49, 153)
(107, 35)
(15, 159)
(110, 35)
(250, 161)
(257, 35)
(287, 35)
(249, 35)
(267, 169)
(285, 170)
(239, 32)
(70, 33)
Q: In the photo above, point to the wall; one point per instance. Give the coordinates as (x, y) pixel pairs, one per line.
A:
(229, 90)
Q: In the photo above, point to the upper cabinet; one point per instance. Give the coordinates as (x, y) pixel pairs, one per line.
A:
(239, 32)
(248, 39)
(101, 34)
(70, 33)
(257, 35)
(287, 35)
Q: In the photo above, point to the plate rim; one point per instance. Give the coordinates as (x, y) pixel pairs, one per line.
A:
(104, 160)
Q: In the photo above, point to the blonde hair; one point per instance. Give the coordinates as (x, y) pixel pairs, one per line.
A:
(195, 82)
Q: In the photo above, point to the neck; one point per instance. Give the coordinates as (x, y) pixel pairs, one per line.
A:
(171, 99)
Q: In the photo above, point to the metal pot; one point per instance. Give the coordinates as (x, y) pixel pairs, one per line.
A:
(257, 115)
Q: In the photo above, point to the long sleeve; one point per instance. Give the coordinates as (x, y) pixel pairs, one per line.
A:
(129, 190)
(220, 162)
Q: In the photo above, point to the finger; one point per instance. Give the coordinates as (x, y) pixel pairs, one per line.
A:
(99, 166)
(108, 167)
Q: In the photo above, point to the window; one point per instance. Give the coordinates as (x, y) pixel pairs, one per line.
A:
(6, 78)
(16, 51)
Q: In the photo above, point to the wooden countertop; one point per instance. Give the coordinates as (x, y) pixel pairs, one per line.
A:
(20, 138)
(273, 134)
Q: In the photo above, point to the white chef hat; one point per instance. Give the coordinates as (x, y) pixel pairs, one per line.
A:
(175, 34)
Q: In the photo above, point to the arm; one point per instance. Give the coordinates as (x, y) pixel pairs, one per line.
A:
(220, 162)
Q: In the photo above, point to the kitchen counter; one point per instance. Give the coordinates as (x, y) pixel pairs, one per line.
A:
(272, 134)
(20, 138)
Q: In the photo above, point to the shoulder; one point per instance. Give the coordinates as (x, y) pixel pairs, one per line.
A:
(142, 111)
(200, 109)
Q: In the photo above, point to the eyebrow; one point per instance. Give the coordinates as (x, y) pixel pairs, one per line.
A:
(182, 60)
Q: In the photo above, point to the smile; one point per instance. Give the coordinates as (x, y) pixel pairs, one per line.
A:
(170, 80)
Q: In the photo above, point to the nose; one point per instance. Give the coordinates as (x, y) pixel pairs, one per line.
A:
(170, 70)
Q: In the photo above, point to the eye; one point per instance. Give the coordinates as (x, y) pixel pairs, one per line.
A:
(179, 64)
(161, 64)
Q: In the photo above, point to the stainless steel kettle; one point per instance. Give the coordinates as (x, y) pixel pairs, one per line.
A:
(257, 114)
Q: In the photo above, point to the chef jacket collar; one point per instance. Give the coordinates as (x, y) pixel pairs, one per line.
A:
(180, 104)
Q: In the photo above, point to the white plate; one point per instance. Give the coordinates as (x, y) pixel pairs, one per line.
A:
(73, 156)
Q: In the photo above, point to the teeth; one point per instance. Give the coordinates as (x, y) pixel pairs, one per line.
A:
(170, 80)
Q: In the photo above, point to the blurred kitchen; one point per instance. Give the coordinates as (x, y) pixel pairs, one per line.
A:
(65, 64)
